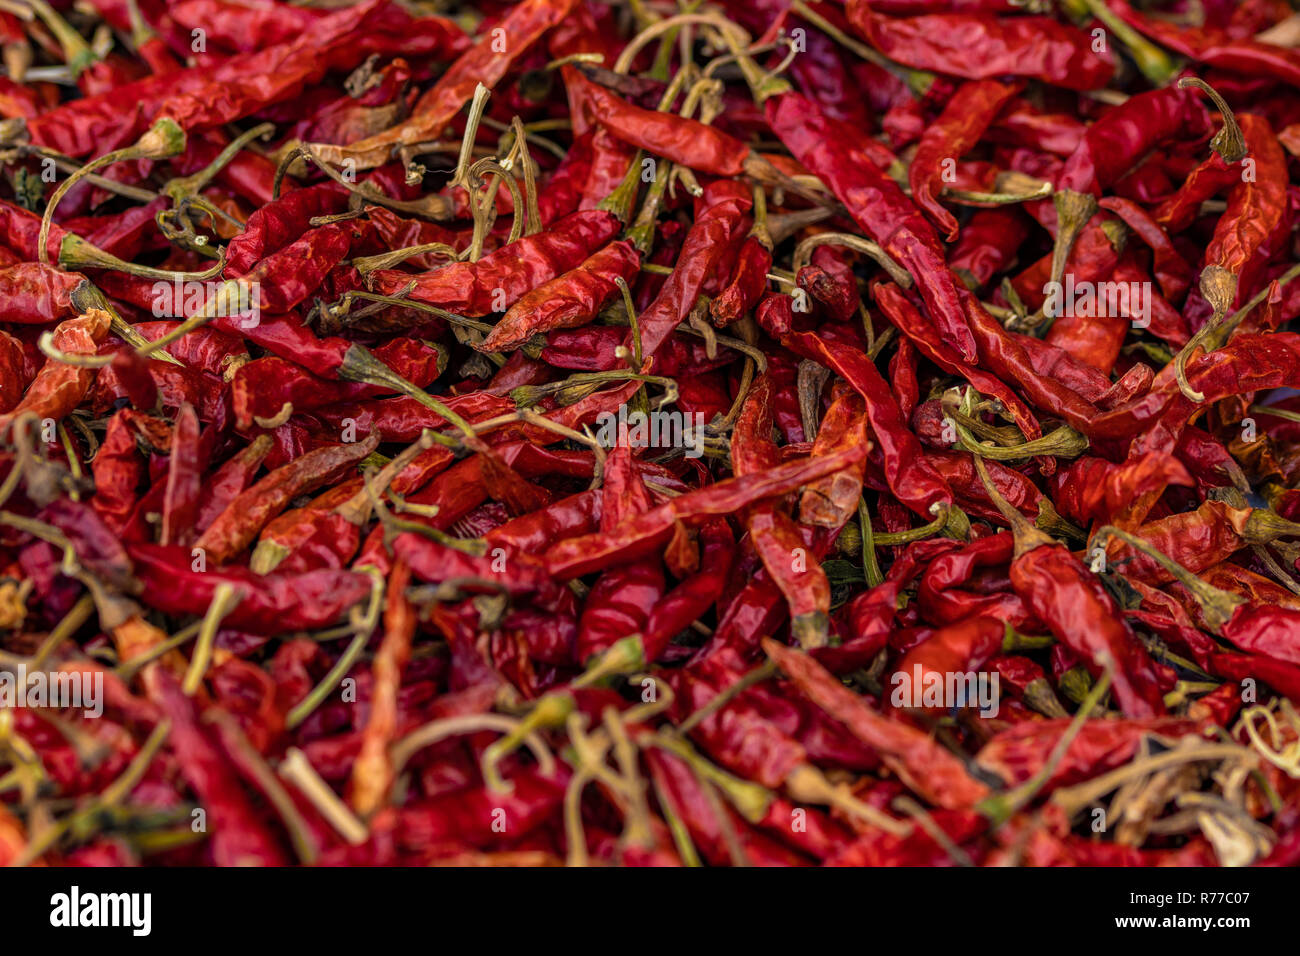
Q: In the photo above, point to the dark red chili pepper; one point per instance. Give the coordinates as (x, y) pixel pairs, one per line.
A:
(961, 125)
(500, 279)
(236, 527)
(876, 204)
(185, 466)
(1035, 47)
(1068, 598)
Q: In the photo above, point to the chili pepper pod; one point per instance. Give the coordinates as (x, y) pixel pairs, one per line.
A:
(477, 65)
(1022, 46)
(943, 600)
(567, 301)
(236, 527)
(960, 648)
(959, 127)
(1015, 755)
(645, 533)
(59, 386)
(917, 760)
(500, 279)
(876, 204)
(1072, 603)
(295, 602)
(1268, 631)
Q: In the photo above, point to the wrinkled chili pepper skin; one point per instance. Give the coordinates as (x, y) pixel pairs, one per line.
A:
(1072, 603)
(57, 388)
(904, 749)
(567, 301)
(500, 279)
(1119, 139)
(1215, 48)
(1255, 205)
(718, 227)
(684, 141)
(876, 204)
(388, 568)
(906, 469)
(481, 63)
(34, 293)
(643, 533)
(959, 648)
(236, 527)
(958, 128)
(753, 262)
(270, 602)
(1016, 754)
(980, 46)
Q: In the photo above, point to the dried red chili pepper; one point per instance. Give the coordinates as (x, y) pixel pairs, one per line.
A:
(1066, 597)
(958, 128)
(876, 204)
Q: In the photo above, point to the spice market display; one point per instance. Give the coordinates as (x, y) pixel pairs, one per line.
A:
(649, 433)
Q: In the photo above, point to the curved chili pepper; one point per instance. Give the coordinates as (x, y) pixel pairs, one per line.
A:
(236, 527)
(269, 603)
(771, 530)
(959, 127)
(1068, 598)
(58, 388)
(485, 62)
(502, 278)
(1036, 47)
(911, 754)
(567, 301)
(645, 533)
(876, 204)
(716, 228)
(1216, 48)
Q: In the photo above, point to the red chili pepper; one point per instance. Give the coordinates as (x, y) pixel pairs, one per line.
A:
(646, 533)
(500, 279)
(876, 204)
(716, 228)
(486, 62)
(236, 527)
(1114, 144)
(1069, 599)
(1021, 751)
(1215, 48)
(185, 466)
(772, 532)
(567, 301)
(59, 388)
(1035, 47)
(908, 752)
(910, 476)
(961, 125)
(270, 603)
(1255, 206)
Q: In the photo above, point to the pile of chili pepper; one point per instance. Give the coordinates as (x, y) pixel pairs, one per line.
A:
(780, 432)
